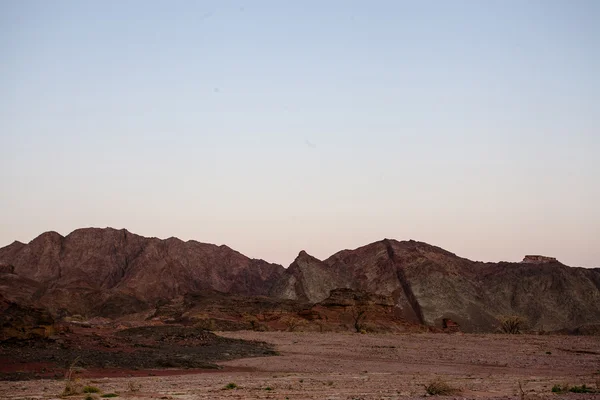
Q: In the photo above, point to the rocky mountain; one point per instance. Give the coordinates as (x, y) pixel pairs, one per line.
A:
(111, 273)
(430, 284)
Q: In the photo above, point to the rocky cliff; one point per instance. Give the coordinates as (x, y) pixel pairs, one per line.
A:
(430, 284)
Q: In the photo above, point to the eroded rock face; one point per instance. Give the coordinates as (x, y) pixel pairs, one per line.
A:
(429, 284)
(21, 322)
(308, 279)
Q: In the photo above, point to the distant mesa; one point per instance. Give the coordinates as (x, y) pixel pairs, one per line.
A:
(535, 259)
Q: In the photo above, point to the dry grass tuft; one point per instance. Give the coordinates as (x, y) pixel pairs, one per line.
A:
(134, 386)
(512, 324)
(440, 387)
(72, 385)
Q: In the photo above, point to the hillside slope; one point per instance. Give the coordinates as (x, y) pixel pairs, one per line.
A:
(112, 272)
(430, 284)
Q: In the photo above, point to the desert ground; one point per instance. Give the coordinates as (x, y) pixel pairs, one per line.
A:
(370, 366)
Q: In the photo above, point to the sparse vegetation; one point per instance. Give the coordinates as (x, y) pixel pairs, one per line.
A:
(230, 386)
(557, 389)
(292, 323)
(91, 389)
(110, 395)
(72, 385)
(582, 389)
(440, 387)
(573, 389)
(268, 388)
(512, 324)
(89, 397)
(206, 323)
(134, 386)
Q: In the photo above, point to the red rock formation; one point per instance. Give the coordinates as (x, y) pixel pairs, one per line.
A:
(111, 272)
(429, 284)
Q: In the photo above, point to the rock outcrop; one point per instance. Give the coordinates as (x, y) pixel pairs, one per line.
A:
(538, 259)
(22, 322)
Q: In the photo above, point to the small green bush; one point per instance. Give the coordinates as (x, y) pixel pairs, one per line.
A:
(581, 389)
(573, 389)
(268, 388)
(110, 395)
(91, 389)
(557, 389)
(230, 386)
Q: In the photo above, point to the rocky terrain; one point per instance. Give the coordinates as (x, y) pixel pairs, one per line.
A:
(348, 366)
(119, 275)
(144, 349)
(112, 272)
(429, 284)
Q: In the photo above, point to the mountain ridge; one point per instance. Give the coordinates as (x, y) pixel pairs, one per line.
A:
(112, 272)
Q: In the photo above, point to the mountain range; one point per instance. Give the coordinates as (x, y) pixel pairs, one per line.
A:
(112, 273)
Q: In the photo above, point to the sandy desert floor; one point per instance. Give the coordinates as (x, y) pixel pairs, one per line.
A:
(354, 366)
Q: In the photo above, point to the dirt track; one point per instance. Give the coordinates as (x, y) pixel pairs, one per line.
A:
(351, 366)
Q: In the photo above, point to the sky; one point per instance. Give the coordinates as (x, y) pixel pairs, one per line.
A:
(274, 126)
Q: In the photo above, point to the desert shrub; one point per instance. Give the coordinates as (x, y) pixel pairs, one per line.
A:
(89, 397)
(208, 324)
(254, 323)
(292, 323)
(110, 395)
(230, 386)
(268, 388)
(511, 324)
(134, 386)
(91, 389)
(440, 388)
(573, 389)
(72, 385)
(581, 389)
(558, 389)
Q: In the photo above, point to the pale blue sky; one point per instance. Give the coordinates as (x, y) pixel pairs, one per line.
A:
(275, 126)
